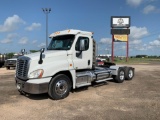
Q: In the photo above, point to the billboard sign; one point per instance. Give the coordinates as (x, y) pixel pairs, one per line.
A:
(120, 21)
(120, 31)
(120, 38)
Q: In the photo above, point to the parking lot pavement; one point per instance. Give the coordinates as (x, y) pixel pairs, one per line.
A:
(3, 71)
(132, 100)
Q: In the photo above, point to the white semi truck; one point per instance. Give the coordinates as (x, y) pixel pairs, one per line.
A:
(68, 63)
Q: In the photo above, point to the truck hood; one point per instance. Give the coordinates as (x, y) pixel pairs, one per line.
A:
(47, 54)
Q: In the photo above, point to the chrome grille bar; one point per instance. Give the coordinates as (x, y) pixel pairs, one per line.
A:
(22, 67)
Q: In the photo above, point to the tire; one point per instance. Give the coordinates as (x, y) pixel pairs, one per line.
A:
(20, 92)
(120, 77)
(7, 68)
(129, 73)
(59, 87)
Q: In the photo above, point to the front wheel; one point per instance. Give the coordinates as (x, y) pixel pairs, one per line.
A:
(59, 87)
(120, 77)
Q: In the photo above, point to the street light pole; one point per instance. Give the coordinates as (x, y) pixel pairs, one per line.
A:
(46, 11)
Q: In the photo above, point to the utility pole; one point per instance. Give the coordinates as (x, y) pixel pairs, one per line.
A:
(46, 11)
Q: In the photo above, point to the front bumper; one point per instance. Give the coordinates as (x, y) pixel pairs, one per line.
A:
(10, 65)
(34, 86)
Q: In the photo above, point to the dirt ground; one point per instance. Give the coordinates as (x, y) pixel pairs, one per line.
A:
(138, 99)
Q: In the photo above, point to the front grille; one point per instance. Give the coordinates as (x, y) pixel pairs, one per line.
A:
(22, 67)
(11, 61)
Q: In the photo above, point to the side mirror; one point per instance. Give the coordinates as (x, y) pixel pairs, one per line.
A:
(82, 45)
(40, 59)
(23, 51)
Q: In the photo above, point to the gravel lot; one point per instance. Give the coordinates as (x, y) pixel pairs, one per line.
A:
(138, 99)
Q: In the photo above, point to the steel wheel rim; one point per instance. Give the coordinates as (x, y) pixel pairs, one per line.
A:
(61, 87)
(130, 74)
(121, 75)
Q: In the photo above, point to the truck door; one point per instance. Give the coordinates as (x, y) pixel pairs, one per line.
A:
(82, 59)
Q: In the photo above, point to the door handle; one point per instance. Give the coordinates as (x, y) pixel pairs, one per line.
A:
(88, 62)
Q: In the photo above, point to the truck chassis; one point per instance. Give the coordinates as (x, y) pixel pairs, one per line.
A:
(61, 84)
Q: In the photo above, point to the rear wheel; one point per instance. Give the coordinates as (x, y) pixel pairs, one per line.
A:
(59, 87)
(129, 73)
(119, 78)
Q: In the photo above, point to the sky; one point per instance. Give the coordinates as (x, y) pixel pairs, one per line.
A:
(23, 23)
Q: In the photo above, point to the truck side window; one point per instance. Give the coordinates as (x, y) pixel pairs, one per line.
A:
(77, 47)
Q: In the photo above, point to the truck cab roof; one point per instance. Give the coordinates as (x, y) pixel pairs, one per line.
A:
(70, 31)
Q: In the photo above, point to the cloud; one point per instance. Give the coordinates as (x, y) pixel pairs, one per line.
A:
(123, 47)
(12, 35)
(34, 41)
(6, 41)
(159, 37)
(11, 23)
(151, 45)
(23, 40)
(41, 45)
(135, 38)
(106, 40)
(149, 9)
(9, 38)
(142, 47)
(152, 0)
(33, 27)
(155, 43)
(134, 3)
(136, 42)
(138, 32)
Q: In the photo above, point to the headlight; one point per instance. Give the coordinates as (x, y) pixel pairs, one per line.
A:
(36, 74)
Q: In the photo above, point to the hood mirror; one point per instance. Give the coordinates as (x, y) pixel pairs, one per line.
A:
(42, 50)
(40, 59)
(23, 51)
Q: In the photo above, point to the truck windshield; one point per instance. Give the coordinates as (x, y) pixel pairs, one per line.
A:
(61, 42)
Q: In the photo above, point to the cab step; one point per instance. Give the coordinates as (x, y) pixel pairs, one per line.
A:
(81, 85)
(98, 81)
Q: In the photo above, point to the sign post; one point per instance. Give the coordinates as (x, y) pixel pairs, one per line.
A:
(127, 49)
(112, 48)
(120, 32)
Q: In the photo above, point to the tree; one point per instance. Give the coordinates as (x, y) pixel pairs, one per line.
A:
(33, 51)
(10, 55)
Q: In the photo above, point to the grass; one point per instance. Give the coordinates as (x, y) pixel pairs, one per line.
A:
(137, 61)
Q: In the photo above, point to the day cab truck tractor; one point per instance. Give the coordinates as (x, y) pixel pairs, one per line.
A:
(68, 63)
